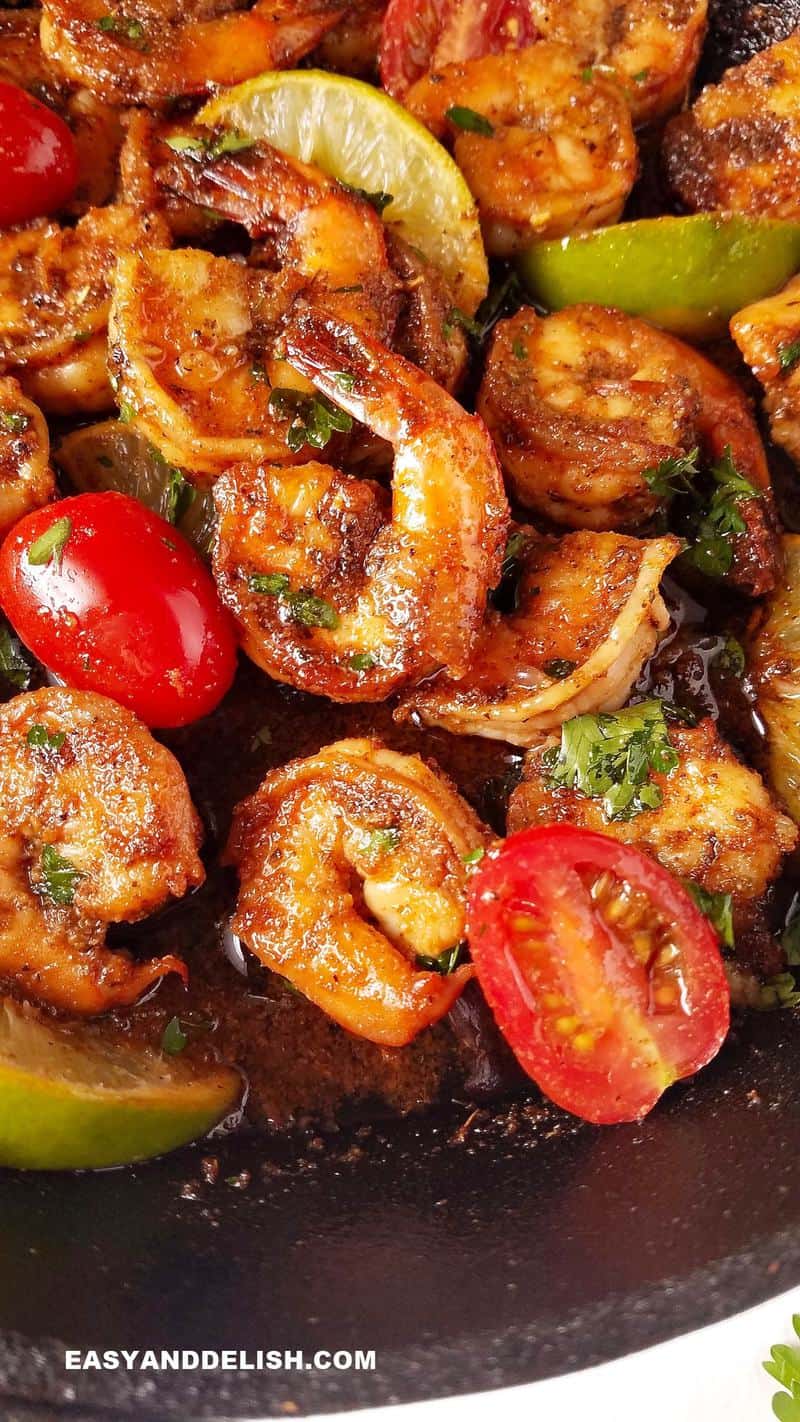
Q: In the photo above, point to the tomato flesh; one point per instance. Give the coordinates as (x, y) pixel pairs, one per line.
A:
(604, 977)
(38, 158)
(418, 37)
(111, 598)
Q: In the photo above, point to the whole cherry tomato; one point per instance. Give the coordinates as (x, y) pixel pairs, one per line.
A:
(113, 599)
(38, 158)
(420, 35)
(604, 977)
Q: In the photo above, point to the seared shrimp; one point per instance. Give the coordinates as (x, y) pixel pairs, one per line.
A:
(153, 50)
(583, 403)
(55, 289)
(717, 824)
(768, 335)
(588, 614)
(26, 479)
(558, 153)
(351, 47)
(354, 869)
(95, 126)
(96, 827)
(738, 147)
(330, 591)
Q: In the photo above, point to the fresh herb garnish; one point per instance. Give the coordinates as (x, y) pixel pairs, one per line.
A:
(776, 992)
(611, 757)
(362, 661)
(14, 421)
(49, 547)
(559, 668)
(303, 604)
(40, 737)
(125, 28)
(587, 74)
(59, 877)
(712, 551)
(718, 909)
(127, 412)
(180, 495)
(731, 657)
(379, 201)
(456, 317)
(314, 418)
(469, 120)
(14, 669)
(270, 584)
(674, 475)
(518, 350)
(788, 356)
(344, 379)
(641, 76)
(444, 963)
(784, 1367)
(212, 147)
(173, 1038)
(474, 856)
(382, 841)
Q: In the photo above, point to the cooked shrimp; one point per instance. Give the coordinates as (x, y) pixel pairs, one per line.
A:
(26, 479)
(330, 591)
(716, 825)
(353, 865)
(153, 50)
(97, 828)
(588, 614)
(95, 126)
(351, 47)
(583, 402)
(55, 289)
(738, 147)
(768, 335)
(560, 155)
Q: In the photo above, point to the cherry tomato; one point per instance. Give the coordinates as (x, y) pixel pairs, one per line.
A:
(604, 978)
(420, 35)
(38, 158)
(112, 599)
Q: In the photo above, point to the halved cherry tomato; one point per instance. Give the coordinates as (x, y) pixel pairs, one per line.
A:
(38, 158)
(418, 37)
(604, 978)
(112, 599)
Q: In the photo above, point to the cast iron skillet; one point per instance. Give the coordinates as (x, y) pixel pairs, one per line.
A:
(469, 1252)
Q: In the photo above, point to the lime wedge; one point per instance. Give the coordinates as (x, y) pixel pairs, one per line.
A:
(362, 137)
(686, 274)
(72, 1098)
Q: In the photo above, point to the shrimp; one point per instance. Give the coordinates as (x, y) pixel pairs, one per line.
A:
(587, 615)
(55, 289)
(738, 147)
(153, 50)
(95, 126)
(97, 828)
(353, 867)
(330, 592)
(583, 405)
(351, 47)
(716, 825)
(557, 154)
(26, 478)
(768, 336)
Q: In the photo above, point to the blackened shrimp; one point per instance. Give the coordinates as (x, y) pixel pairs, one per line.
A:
(333, 591)
(587, 615)
(586, 405)
(96, 827)
(26, 478)
(552, 150)
(354, 866)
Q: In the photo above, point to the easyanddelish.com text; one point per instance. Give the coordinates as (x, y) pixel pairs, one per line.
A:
(212, 1360)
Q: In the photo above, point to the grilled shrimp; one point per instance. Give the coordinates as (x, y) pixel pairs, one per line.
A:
(26, 479)
(351, 47)
(738, 147)
(55, 288)
(768, 336)
(588, 614)
(716, 825)
(331, 591)
(96, 828)
(95, 125)
(353, 865)
(153, 50)
(583, 402)
(559, 154)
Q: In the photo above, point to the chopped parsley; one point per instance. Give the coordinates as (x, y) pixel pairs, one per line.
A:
(270, 584)
(59, 877)
(14, 421)
(788, 356)
(587, 74)
(344, 379)
(474, 856)
(314, 418)
(444, 963)
(180, 495)
(456, 317)
(718, 909)
(505, 595)
(124, 28)
(362, 661)
(303, 605)
(784, 1367)
(14, 669)
(173, 1038)
(642, 75)
(559, 668)
(712, 551)
(49, 547)
(127, 412)
(780, 991)
(674, 475)
(42, 739)
(731, 657)
(379, 201)
(518, 350)
(382, 841)
(469, 120)
(611, 757)
(212, 147)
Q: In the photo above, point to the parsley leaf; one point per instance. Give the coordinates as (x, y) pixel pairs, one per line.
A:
(49, 547)
(718, 909)
(784, 1367)
(474, 856)
(14, 669)
(362, 661)
(674, 475)
(788, 356)
(314, 418)
(124, 28)
(457, 317)
(382, 841)
(469, 120)
(270, 584)
(444, 963)
(611, 757)
(731, 657)
(559, 668)
(59, 877)
(180, 495)
(377, 200)
(14, 421)
(173, 1039)
(712, 550)
(210, 148)
(42, 739)
(303, 605)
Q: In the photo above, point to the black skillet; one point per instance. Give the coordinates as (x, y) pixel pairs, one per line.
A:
(468, 1251)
